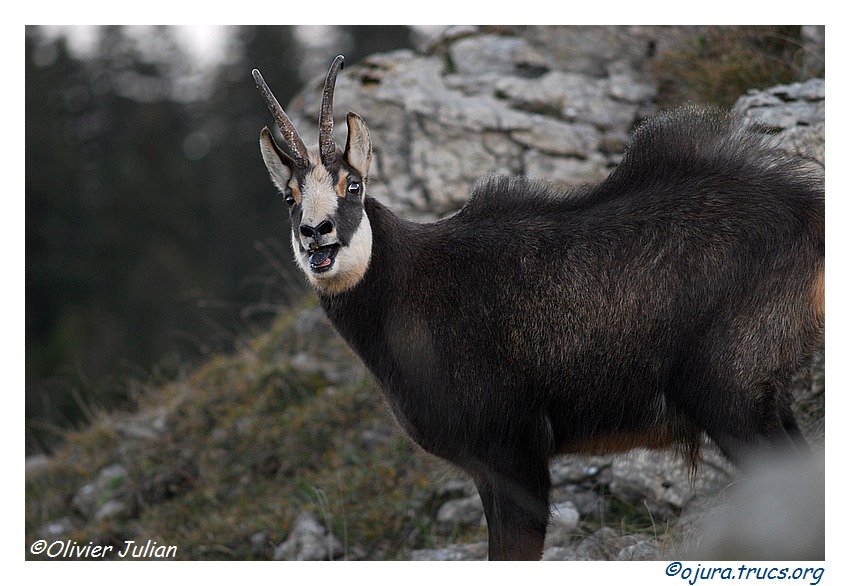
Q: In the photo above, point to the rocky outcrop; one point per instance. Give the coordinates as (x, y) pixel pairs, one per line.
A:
(482, 101)
(554, 103)
(795, 111)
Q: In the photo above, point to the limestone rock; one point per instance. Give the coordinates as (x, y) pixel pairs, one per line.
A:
(309, 541)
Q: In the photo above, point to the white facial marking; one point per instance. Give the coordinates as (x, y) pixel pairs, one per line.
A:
(319, 200)
(350, 265)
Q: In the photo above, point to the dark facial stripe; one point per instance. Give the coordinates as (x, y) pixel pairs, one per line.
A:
(349, 214)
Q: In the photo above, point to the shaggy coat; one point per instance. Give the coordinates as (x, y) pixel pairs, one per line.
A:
(677, 298)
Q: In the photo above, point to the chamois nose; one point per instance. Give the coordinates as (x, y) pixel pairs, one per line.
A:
(316, 232)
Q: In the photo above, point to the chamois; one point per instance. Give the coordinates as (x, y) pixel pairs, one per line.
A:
(676, 298)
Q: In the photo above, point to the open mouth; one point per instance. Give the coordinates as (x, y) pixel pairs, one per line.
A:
(322, 259)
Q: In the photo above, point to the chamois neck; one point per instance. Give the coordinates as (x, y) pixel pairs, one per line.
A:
(357, 312)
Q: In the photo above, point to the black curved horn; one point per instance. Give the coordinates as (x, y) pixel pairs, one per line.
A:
(327, 148)
(293, 142)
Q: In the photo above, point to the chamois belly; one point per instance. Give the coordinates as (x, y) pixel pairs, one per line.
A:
(657, 437)
(618, 421)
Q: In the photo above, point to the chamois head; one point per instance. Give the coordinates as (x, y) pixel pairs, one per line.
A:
(325, 191)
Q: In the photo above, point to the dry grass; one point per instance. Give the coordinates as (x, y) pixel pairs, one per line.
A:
(241, 446)
(724, 62)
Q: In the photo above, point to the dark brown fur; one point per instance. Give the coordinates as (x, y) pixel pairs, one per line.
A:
(677, 298)
(534, 322)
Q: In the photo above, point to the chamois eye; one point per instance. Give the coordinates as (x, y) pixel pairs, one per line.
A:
(289, 198)
(354, 188)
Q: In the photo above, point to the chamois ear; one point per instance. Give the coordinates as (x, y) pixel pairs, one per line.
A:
(358, 148)
(277, 162)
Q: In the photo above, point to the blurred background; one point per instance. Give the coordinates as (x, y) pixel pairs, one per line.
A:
(153, 236)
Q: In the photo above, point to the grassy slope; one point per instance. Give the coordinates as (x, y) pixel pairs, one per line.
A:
(241, 446)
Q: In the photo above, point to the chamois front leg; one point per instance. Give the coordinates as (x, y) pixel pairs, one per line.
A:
(516, 504)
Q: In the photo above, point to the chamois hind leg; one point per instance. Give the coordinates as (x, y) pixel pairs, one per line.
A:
(789, 424)
(762, 427)
(516, 505)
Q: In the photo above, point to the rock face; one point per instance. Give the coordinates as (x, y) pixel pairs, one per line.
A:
(478, 102)
(554, 103)
(795, 111)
